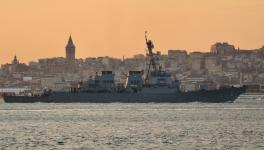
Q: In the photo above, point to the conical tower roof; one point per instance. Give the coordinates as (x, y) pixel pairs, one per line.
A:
(70, 42)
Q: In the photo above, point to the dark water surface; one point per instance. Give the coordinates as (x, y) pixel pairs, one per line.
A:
(132, 126)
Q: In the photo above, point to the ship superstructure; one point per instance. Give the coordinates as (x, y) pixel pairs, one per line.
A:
(156, 79)
(100, 83)
(135, 81)
(156, 75)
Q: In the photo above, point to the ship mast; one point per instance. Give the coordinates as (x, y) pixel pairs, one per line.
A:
(151, 55)
(150, 47)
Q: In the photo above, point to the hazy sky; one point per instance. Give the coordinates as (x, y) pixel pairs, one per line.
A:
(34, 29)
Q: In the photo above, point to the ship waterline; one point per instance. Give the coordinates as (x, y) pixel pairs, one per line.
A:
(216, 96)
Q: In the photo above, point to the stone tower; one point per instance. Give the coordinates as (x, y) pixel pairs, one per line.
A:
(15, 60)
(70, 50)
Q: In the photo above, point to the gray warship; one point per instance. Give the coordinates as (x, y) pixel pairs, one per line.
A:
(153, 85)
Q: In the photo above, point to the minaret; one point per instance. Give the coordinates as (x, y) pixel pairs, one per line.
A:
(70, 50)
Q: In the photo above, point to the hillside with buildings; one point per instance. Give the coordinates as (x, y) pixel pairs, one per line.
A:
(224, 65)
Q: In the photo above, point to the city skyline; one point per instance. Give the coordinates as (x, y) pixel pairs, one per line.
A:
(34, 30)
(69, 52)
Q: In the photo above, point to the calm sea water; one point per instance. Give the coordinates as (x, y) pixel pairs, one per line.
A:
(132, 126)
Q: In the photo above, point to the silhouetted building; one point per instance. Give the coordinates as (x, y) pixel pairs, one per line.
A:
(15, 61)
(70, 50)
(223, 49)
(15, 66)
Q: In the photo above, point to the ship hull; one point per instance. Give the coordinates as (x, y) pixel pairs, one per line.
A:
(215, 96)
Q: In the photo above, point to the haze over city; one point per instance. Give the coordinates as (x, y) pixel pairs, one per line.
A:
(39, 29)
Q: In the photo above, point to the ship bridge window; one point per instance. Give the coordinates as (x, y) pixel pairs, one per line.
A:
(162, 81)
(108, 81)
(135, 72)
(106, 72)
(135, 82)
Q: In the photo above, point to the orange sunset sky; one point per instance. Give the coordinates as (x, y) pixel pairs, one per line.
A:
(34, 29)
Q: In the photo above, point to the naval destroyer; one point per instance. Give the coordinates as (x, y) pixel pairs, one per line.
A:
(153, 85)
